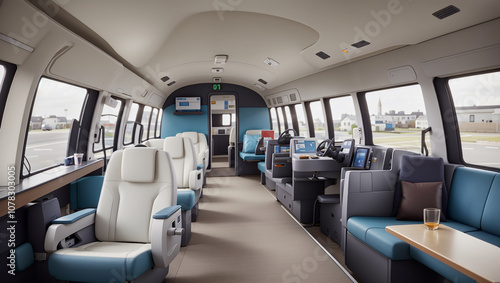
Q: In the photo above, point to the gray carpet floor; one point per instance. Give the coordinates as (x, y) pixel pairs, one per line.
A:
(244, 235)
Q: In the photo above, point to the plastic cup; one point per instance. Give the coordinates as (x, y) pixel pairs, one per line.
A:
(431, 218)
(78, 158)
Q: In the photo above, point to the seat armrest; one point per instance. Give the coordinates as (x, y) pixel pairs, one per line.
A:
(73, 217)
(66, 227)
(367, 193)
(195, 179)
(166, 235)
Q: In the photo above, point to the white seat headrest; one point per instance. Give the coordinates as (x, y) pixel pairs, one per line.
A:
(192, 135)
(175, 146)
(139, 164)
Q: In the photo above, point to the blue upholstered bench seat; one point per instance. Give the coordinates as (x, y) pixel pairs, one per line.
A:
(371, 231)
(262, 166)
(473, 208)
(252, 156)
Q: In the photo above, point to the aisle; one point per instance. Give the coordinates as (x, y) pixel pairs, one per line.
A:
(244, 235)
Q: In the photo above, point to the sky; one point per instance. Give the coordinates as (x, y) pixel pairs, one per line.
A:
(54, 98)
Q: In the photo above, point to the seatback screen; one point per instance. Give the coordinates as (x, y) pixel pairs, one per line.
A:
(304, 146)
(360, 158)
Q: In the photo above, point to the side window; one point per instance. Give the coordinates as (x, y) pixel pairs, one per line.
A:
(130, 128)
(318, 120)
(301, 118)
(397, 117)
(477, 106)
(146, 114)
(2, 75)
(344, 117)
(158, 124)
(56, 105)
(281, 119)
(152, 125)
(289, 120)
(274, 122)
(109, 119)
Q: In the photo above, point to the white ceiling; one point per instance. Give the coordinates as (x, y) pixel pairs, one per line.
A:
(179, 39)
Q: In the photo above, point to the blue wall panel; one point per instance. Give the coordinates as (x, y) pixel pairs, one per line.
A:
(173, 124)
(253, 118)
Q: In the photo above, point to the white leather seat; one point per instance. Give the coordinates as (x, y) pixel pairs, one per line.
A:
(137, 224)
(155, 143)
(200, 146)
(232, 137)
(188, 177)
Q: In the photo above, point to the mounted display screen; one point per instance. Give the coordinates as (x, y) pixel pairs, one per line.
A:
(360, 157)
(187, 104)
(304, 146)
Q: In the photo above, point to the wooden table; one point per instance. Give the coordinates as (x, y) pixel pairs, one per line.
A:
(471, 256)
(36, 186)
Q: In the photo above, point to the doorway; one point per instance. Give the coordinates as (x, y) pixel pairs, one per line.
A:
(223, 118)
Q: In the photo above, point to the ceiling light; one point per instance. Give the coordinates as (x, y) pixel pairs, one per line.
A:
(259, 87)
(217, 70)
(349, 49)
(217, 80)
(271, 62)
(220, 59)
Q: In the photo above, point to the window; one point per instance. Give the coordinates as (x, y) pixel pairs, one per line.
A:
(2, 75)
(56, 105)
(152, 125)
(109, 119)
(288, 117)
(344, 117)
(318, 120)
(397, 117)
(145, 122)
(281, 119)
(301, 118)
(130, 128)
(274, 122)
(477, 106)
(158, 124)
(226, 119)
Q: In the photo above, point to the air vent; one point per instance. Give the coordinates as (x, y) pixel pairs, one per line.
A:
(165, 78)
(171, 83)
(263, 81)
(360, 44)
(446, 12)
(274, 100)
(322, 55)
(293, 96)
(217, 80)
(269, 101)
(279, 99)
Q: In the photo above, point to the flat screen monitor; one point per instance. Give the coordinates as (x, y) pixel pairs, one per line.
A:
(304, 146)
(281, 149)
(360, 157)
(346, 146)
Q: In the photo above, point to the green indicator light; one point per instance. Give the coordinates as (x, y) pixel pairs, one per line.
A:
(216, 87)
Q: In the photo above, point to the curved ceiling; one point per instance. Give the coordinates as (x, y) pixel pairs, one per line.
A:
(179, 39)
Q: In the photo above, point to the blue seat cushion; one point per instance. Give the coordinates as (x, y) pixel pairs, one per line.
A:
(490, 222)
(262, 166)
(252, 156)
(24, 256)
(101, 262)
(487, 237)
(445, 270)
(250, 143)
(468, 194)
(186, 199)
(371, 231)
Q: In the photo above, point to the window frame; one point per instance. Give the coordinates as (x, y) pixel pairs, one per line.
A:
(10, 70)
(449, 117)
(116, 134)
(85, 111)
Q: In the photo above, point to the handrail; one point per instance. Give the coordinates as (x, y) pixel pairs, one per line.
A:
(423, 145)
